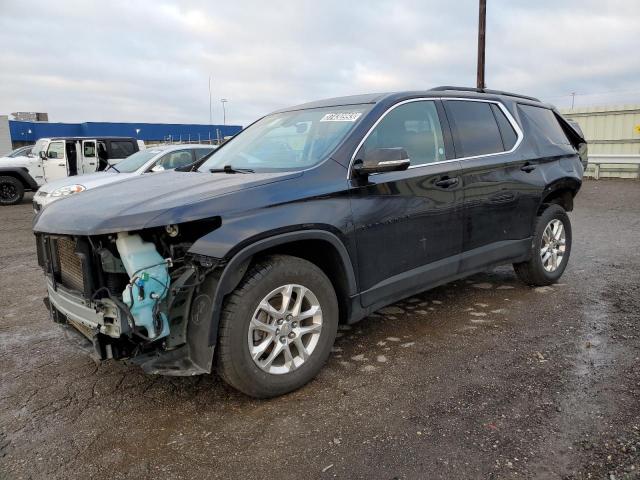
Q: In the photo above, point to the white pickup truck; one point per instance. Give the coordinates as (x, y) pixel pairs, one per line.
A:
(60, 157)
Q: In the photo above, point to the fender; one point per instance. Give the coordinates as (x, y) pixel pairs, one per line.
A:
(22, 174)
(237, 266)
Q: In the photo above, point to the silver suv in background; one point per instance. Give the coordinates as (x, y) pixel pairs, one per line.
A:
(153, 159)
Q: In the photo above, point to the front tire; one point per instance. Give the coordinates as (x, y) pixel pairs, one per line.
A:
(277, 327)
(550, 248)
(11, 191)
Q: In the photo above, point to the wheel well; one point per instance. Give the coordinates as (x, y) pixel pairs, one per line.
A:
(17, 176)
(562, 196)
(324, 255)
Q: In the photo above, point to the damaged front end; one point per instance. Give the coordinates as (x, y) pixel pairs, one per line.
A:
(136, 296)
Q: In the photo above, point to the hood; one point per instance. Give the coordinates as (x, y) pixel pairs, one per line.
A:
(91, 180)
(17, 161)
(146, 201)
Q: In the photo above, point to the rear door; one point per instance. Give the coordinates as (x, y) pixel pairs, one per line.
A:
(486, 140)
(55, 166)
(408, 224)
(89, 160)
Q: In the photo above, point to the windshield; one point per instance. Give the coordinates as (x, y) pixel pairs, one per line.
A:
(20, 152)
(38, 147)
(288, 140)
(137, 160)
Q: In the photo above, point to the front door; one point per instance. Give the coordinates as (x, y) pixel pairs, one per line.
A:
(89, 156)
(55, 165)
(408, 224)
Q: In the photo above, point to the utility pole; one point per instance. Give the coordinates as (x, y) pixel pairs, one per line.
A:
(573, 99)
(482, 28)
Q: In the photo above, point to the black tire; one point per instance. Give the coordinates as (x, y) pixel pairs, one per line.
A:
(234, 362)
(11, 191)
(532, 272)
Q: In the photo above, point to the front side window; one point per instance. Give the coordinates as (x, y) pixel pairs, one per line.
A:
(180, 158)
(288, 141)
(413, 126)
(56, 150)
(475, 128)
(201, 152)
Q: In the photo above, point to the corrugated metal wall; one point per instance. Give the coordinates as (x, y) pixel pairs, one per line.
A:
(609, 129)
(32, 131)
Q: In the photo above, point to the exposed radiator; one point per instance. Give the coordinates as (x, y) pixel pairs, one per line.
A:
(71, 275)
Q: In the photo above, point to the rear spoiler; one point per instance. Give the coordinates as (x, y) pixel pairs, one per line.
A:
(575, 135)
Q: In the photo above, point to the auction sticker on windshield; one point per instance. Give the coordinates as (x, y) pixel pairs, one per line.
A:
(341, 117)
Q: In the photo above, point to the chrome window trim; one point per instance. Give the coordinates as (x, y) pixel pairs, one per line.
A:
(500, 105)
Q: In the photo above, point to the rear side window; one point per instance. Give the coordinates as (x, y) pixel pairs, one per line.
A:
(121, 149)
(545, 124)
(413, 126)
(509, 135)
(475, 127)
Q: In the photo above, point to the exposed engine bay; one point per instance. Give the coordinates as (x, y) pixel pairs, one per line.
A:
(138, 296)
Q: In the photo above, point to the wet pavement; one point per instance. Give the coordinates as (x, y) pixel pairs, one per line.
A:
(482, 378)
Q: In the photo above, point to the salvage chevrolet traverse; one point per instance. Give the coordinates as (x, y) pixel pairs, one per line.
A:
(312, 216)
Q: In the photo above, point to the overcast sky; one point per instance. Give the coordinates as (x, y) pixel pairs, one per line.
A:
(150, 61)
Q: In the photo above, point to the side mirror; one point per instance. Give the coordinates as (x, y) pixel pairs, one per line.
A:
(157, 168)
(382, 160)
(43, 155)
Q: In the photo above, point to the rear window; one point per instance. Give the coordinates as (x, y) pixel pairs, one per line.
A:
(121, 149)
(545, 123)
(475, 127)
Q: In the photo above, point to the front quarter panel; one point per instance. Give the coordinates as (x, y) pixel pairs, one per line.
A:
(318, 199)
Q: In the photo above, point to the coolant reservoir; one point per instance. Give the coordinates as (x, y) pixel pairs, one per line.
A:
(149, 274)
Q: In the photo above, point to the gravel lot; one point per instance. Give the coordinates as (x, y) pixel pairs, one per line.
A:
(483, 378)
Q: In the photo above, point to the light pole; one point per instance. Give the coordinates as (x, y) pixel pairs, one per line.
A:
(210, 106)
(224, 111)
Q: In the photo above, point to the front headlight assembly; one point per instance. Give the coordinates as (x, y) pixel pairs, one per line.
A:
(68, 190)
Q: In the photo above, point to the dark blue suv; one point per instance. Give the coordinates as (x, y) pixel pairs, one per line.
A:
(313, 215)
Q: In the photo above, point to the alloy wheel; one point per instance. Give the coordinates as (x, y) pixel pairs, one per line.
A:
(285, 329)
(8, 192)
(553, 245)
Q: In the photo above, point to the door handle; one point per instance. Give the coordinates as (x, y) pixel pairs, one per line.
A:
(61, 164)
(528, 168)
(447, 182)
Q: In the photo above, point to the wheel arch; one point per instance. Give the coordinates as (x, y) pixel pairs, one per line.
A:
(561, 192)
(320, 247)
(21, 174)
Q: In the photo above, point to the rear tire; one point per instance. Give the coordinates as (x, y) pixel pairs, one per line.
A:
(11, 191)
(550, 248)
(268, 345)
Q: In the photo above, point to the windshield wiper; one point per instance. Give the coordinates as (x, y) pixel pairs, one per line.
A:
(114, 167)
(230, 169)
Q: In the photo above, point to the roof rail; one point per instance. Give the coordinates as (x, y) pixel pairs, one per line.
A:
(481, 90)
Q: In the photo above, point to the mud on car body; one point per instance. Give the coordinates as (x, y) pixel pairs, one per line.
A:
(314, 215)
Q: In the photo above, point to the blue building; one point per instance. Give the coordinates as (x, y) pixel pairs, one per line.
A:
(23, 133)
